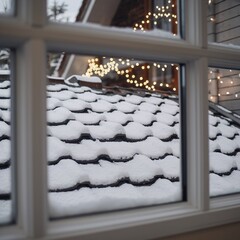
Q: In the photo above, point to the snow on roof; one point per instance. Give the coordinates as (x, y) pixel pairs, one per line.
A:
(112, 151)
(79, 80)
(4, 72)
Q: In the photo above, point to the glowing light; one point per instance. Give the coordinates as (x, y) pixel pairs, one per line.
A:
(96, 68)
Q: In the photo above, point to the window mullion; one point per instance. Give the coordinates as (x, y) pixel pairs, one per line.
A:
(196, 22)
(197, 106)
(31, 137)
(197, 133)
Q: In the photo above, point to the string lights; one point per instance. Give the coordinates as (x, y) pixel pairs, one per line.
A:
(226, 81)
(160, 14)
(211, 18)
(128, 68)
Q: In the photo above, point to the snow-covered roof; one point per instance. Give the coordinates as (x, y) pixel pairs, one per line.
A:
(112, 151)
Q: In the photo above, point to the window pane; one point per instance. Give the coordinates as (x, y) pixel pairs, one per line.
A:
(5, 135)
(224, 131)
(224, 22)
(113, 134)
(6, 7)
(159, 17)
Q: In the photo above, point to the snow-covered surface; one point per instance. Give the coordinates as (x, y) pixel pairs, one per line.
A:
(80, 78)
(116, 151)
(4, 72)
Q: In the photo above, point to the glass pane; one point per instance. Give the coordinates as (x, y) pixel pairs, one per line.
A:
(224, 22)
(5, 135)
(158, 17)
(6, 7)
(113, 134)
(224, 131)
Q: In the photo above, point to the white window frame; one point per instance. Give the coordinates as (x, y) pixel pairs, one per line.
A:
(32, 36)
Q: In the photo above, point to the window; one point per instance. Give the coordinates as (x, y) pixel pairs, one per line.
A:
(158, 17)
(32, 36)
(224, 131)
(113, 134)
(223, 22)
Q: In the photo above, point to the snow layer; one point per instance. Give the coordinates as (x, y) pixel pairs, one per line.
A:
(225, 184)
(5, 180)
(5, 151)
(108, 152)
(88, 200)
(5, 211)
